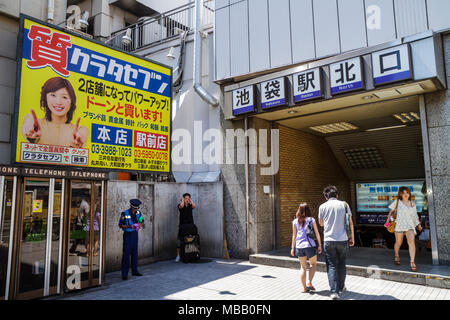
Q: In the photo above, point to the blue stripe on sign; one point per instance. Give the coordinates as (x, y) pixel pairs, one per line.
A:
(346, 87)
(307, 96)
(154, 86)
(243, 110)
(393, 77)
(111, 135)
(273, 104)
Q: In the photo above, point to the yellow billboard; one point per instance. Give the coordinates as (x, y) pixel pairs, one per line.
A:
(81, 103)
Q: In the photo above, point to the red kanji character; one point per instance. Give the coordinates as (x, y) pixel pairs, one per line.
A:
(129, 110)
(49, 49)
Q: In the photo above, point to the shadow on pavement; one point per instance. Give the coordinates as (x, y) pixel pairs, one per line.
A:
(351, 295)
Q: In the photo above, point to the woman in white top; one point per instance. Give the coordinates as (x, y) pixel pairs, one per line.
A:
(406, 223)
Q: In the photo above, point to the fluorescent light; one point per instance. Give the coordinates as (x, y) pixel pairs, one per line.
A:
(407, 117)
(386, 94)
(386, 128)
(335, 127)
(411, 89)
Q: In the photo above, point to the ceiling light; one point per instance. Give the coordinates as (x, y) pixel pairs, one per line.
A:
(335, 127)
(367, 97)
(407, 117)
(386, 128)
(416, 88)
(293, 112)
(386, 94)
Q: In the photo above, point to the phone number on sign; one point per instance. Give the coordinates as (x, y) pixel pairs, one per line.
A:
(111, 150)
(150, 154)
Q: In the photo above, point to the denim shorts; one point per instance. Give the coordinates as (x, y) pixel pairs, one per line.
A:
(306, 252)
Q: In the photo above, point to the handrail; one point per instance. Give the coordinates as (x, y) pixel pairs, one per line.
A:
(160, 27)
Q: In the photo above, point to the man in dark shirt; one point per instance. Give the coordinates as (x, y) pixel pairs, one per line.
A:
(185, 207)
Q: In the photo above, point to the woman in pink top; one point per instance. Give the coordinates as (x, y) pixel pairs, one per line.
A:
(303, 246)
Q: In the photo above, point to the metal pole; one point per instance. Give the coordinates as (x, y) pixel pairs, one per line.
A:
(247, 198)
(61, 223)
(429, 180)
(48, 253)
(2, 186)
(101, 234)
(11, 237)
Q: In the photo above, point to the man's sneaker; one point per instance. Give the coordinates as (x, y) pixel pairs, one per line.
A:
(177, 259)
(343, 290)
(124, 278)
(137, 274)
(335, 296)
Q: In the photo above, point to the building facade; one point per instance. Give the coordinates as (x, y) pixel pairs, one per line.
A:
(358, 91)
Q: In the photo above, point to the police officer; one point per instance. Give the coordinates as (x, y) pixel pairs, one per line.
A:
(131, 220)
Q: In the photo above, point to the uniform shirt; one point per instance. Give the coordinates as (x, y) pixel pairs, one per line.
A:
(128, 219)
(332, 213)
(186, 216)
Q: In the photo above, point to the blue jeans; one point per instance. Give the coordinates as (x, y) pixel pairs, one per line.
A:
(335, 254)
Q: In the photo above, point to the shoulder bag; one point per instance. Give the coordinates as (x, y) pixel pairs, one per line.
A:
(391, 227)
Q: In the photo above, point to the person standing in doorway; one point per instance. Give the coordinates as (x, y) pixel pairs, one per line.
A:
(185, 208)
(406, 223)
(332, 217)
(131, 220)
(303, 247)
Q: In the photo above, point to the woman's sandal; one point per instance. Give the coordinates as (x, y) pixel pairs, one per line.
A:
(413, 267)
(307, 290)
(397, 260)
(310, 287)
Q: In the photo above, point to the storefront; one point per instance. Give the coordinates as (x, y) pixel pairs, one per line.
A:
(48, 243)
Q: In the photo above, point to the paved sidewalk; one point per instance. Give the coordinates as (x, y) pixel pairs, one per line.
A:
(241, 280)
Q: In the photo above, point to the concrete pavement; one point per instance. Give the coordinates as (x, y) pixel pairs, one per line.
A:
(217, 279)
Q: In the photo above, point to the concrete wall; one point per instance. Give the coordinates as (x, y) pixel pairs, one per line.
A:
(158, 240)
(307, 165)
(438, 117)
(262, 224)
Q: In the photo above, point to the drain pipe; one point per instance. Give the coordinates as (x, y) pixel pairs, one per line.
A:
(202, 92)
(50, 11)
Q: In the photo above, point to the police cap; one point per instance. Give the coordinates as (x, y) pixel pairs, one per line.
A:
(135, 203)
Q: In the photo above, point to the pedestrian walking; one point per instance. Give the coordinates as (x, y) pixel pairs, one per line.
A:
(304, 246)
(332, 216)
(131, 220)
(406, 220)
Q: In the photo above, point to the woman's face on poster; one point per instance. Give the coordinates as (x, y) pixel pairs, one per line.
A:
(59, 102)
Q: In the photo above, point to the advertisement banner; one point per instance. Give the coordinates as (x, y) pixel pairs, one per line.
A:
(373, 199)
(83, 104)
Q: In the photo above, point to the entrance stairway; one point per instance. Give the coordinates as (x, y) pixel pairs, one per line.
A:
(371, 263)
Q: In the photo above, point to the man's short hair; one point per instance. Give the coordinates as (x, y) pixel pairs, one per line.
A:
(186, 194)
(330, 192)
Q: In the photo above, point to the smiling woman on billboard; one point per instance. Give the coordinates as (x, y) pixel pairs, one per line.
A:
(58, 101)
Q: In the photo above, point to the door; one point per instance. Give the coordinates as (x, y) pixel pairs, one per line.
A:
(7, 209)
(41, 234)
(85, 240)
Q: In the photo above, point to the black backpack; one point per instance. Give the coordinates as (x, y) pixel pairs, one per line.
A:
(310, 234)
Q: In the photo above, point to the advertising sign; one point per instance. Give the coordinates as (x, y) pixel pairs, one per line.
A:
(83, 104)
(373, 199)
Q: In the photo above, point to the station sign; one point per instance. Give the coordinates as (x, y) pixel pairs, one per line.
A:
(346, 76)
(243, 100)
(307, 85)
(273, 93)
(81, 103)
(392, 65)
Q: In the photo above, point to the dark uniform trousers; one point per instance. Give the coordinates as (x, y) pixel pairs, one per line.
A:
(130, 247)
